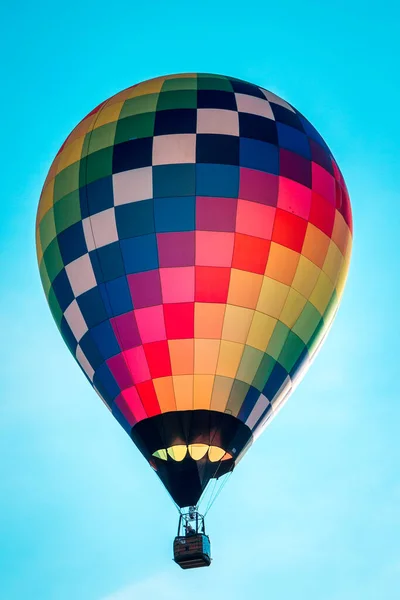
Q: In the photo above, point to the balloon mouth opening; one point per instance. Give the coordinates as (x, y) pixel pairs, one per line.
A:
(197, 452)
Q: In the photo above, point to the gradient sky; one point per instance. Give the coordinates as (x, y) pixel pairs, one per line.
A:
(312, 511)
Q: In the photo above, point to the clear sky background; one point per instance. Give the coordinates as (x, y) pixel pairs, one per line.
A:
(312, 511)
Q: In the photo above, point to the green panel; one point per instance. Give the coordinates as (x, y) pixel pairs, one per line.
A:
(183, 99)
(307, 322)
(45, 278)
(332, 305)
(138, 105)
(102, 137)
(264, 371)
(180, 83)
(249, 364)
(316, 335)
(277, 340)
(237, 396)
(47, 229)
(55, 307)
(67, 211)
(137, 126)
(207, 82)
(291, 351)
(53, 260)
(67, 181)
(98, 164)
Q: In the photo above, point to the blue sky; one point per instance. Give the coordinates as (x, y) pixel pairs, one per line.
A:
(312, 510)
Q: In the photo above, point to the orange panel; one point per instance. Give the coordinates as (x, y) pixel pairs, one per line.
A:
(165, 393)
(244, 288)
(205, 356)
(208, 320)
(203, 387)
(282, 263)
(182, 356)
(315, 245)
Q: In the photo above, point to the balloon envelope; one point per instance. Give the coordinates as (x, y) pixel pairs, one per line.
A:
(193, 238)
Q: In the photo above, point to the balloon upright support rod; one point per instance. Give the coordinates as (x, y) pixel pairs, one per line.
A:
(192, 545)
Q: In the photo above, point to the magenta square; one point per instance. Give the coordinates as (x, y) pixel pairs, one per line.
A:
(145, 288)
(215, 214)
(120, 371)
(126, 330)
(258, 186)
(176, 249)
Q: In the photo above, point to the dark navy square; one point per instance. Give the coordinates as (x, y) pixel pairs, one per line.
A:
(312, 132)
(140, 253)
(217, 180)
(258, 128)
(68, 336)
(242, 87)
(296, 167)
(174, 180)
(91, 351)
(118, 296)
(92, 307)
(283, 115)
(104, 337)
(62, 289)
(72, 243)
(106, 384)
(96, 196)
(135, 218)
(249, 402)
(217, 149)
(179, 120)
(133, 154)
(117, 414)
(275, 380)
(216, 99)
(174, 214)
(294, 140)
(258, 155)
(107, 262)
(320, 156)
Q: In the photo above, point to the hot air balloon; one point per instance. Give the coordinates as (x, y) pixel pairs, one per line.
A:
(193, 238)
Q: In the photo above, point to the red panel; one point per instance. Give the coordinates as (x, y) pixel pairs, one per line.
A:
(212, 284)
(157, 354)
(289, 230)
(179, 320)
(250, 253)
(322, 214)
(148, 397)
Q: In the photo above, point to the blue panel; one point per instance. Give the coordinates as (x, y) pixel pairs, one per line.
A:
(312, 132)
(121, 419)
(249, 402)
(96, 196)
(92, 307)
(140, 253)
(72, 243)
(117, 295)
(91, 350)
(294, 140)
(62, 289)
(104, 337)
(258, 155)
(135, 218)
(107, 262)
(174, 214)
(68, 336)
(217, 180)
(275, 381)
(106, 384)
(174, 180)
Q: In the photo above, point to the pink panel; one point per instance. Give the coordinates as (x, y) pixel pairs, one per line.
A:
(151, 324)
(258, 186)
(131, 406)
(177, 284)
(255, 219)
(323, 183)
(120, 371)
(137, 363)
(214, 249)
(294, 197)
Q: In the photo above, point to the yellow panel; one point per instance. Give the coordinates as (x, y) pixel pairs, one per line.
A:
(183, 386)
(244, 288)
(322, 293)
(82, 128)
(71, 154)
(294, 304)
(344, 272)
(261, 331)
(180, 76)
(333, 262)
(197, 451)
(341, 232)
(237, 323)
(306, 277)
(46, 199)
(315, 245)
(203, 387)
(177, 452)
(108, 114)
(229, 358)
(220, 396)
(272, 297)
(282, 263)
(161, 454)
(208, 320)
(165, 393)
(215, 454)
(206, 356)
(39, 251)
(181, 354)
(147, 87)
